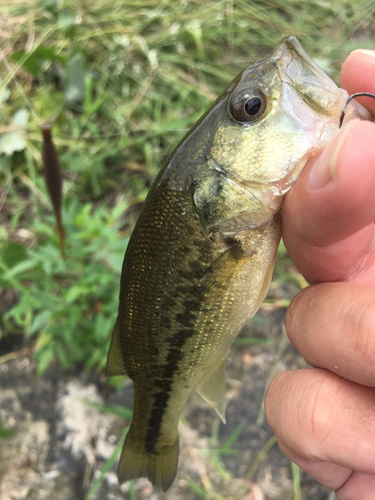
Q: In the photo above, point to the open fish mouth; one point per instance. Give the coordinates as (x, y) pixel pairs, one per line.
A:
(307, 84)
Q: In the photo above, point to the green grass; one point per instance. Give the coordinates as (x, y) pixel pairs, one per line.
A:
(121, 82)
(296, 473)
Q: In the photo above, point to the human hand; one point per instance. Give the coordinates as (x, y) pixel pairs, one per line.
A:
(324, 418)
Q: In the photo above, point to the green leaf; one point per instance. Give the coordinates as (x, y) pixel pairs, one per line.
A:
(18, 269)
(45, 359)
(39, 320)
(30, 64)
(13, 254)
(4, 236)
(75, 84)
(49, 54)
(11, 142)
(74, 293)
(103, 327)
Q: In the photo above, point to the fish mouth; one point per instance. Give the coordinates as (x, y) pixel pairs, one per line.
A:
(308, 92)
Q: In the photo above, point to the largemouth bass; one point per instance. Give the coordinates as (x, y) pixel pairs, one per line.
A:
(200, 259)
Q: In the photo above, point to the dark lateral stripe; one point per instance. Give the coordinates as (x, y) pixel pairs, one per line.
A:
(186, 321)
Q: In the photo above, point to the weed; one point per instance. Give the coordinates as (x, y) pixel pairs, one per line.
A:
(296, 474)
(71, 305)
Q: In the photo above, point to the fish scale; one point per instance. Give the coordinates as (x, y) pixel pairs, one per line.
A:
(201, 256)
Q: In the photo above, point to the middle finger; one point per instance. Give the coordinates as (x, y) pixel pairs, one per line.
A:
(332, 326)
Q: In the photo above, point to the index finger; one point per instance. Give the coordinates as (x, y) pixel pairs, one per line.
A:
(358, 75)
(328, 216)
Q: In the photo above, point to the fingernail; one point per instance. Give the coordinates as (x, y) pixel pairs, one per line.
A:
(365, 51)
(324, 170)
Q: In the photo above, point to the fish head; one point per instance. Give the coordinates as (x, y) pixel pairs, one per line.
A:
(272, 118)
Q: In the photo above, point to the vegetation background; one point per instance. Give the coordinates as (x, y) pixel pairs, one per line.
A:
(121, 82)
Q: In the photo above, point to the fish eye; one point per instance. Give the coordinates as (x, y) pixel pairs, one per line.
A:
(248, 105)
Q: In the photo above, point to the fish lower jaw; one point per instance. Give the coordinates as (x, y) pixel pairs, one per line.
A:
(325, 134)
(356, 111)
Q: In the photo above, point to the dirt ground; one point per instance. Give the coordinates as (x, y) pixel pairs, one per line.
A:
(61, 443)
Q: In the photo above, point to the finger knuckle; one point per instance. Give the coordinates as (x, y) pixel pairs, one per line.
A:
(315, 422)
(363, 331)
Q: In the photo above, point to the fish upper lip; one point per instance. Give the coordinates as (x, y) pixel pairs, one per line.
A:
(311, 82)
(313, 85)
(291, 46)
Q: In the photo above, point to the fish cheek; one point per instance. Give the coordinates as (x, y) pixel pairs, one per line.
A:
(223, 205)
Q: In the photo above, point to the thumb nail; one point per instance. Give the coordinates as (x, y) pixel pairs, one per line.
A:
(324, 170)
(365, 51)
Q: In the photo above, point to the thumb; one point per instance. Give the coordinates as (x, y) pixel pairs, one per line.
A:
(328, 216)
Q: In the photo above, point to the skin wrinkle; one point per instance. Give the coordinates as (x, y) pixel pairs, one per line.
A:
(303, 307)
(297, 408)
(353, 316)
(286, 393)
(317, 424)
(362, 332)
(343, 323)
(342, 271)
(358, 481)
(315, 407)
(350, 401)
(345, 482)
(362, 269)
(357, 324)
(333, 475)
(343, 265)
(367, 417)
(301, 446)
(294, 312)
(301, 403)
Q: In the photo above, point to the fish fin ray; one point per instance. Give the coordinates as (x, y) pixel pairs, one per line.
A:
(159, 467)
(265, 287)
(225, 260)
(213, 389)
(115, 360)
(235, 256)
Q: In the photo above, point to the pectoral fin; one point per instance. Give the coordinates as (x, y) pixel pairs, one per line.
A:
(212, 389)
(115, 361)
